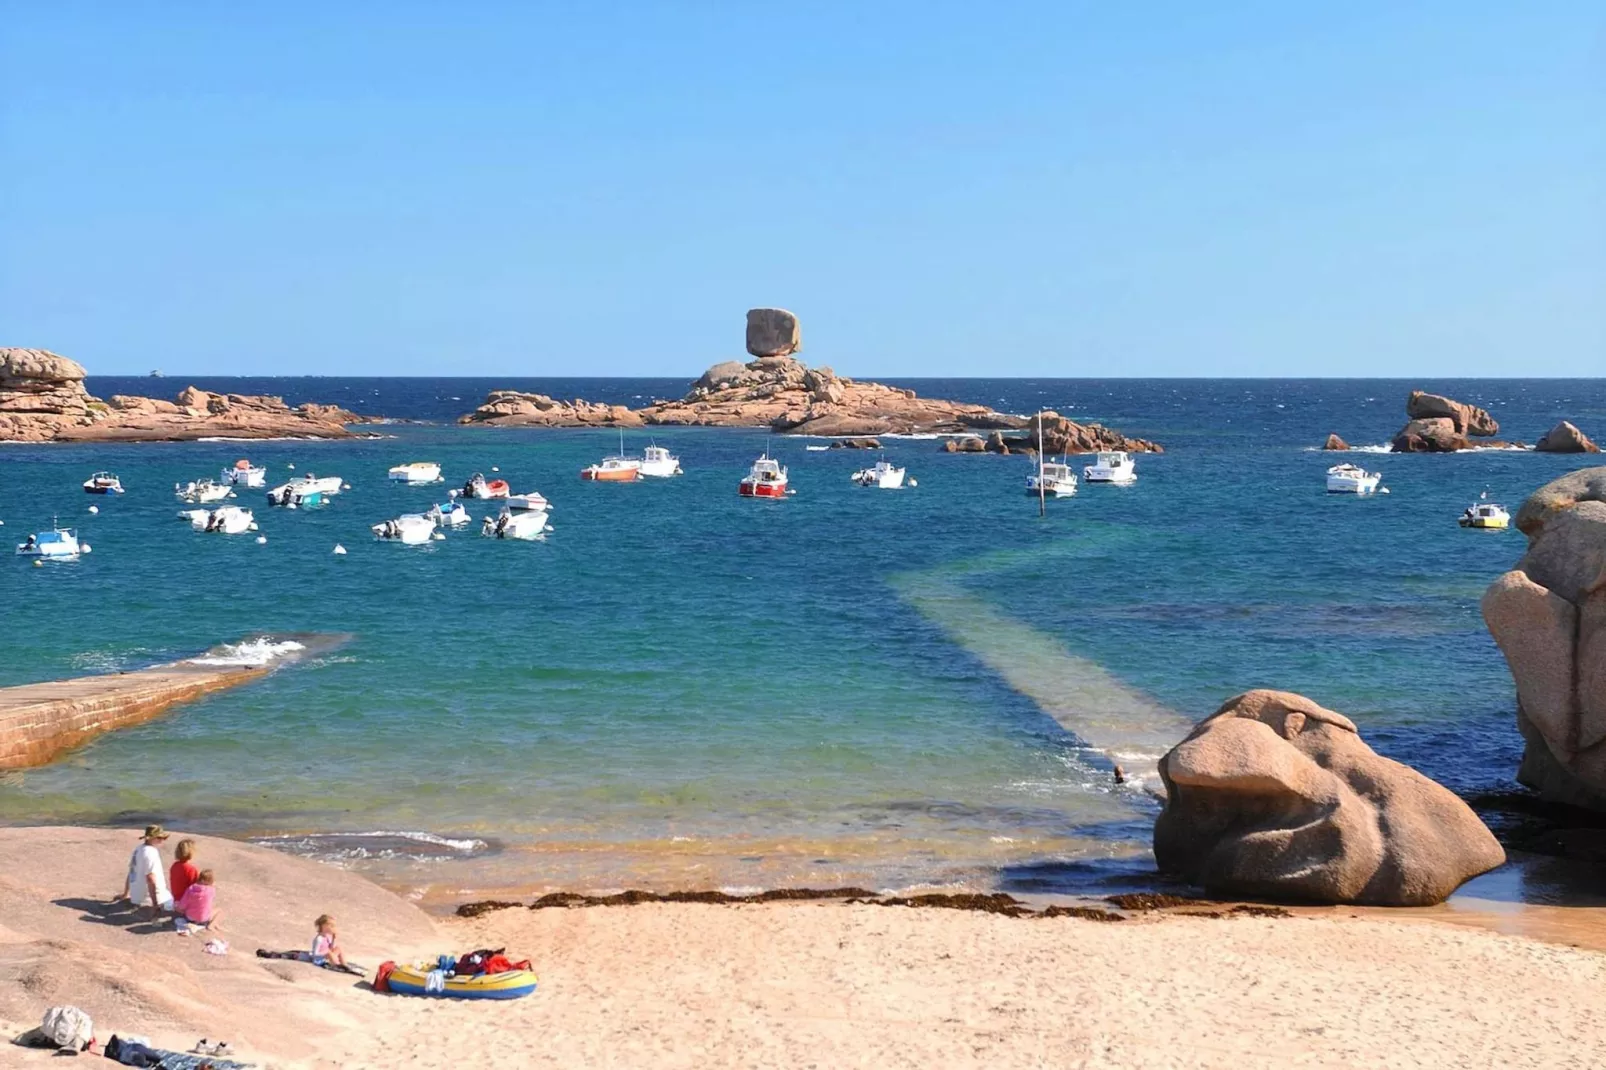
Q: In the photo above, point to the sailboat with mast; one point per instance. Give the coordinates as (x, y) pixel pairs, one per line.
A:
(619, 468)
(1053, 479)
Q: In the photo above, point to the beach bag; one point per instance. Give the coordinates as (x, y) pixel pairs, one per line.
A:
(382, 978)
(67, 1027)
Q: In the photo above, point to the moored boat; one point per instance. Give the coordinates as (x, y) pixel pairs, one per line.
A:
(883, 474)
(305, 490)
(410, 529)
(658, 463)
(516, 524)
(1053, 479)
(448, 514)
(57, 544)
(201, 491)
(1486, 515)
(224, 520)
(1111, 466)
(103, 483)
(480, 487)
(416, 472)
(613, 470)
(1352, 479)
(766, 479)
(245, 474)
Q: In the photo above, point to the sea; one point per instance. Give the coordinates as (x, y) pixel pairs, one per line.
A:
(682, 689)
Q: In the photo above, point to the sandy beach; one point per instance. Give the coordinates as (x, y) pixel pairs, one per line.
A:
(783, 984)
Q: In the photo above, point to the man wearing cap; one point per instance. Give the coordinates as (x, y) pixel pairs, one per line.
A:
(146, 884)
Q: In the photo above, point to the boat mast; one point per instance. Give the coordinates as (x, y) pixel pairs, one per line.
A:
(1042, 493)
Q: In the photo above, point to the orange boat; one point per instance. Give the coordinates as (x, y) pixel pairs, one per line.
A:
(614, 470)
(479, 487)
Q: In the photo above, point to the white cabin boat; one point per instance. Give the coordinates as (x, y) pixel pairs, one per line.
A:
(225, 519)
(103, 483)
(409, 529)
(57, 544)
(245, 474)
(1486, 515)
(658, 463)
(1113, 466)
(416, 472)
(201, 491)
(766, 479)
(448, 514)
(1352, 479)
(516, 524)
(1053, 479)
(883, 474)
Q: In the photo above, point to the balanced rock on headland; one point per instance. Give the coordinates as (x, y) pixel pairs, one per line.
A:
(42, 399)
(1548, 616)
(1274, 796)
(1436, 424)
(1565, 438)
(773, 332)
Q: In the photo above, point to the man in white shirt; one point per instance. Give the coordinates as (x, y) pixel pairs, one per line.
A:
(146, 884)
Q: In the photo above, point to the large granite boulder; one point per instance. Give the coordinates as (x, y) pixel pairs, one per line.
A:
(40, 393)
(773, 332)
(1436, 424)
(1274, 796)
(1548, 616)
(1335, 443)
(1566, 438)
(511, 408)
(1064, 436)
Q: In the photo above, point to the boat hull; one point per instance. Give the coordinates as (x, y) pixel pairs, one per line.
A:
(413, 981)
(1485, 524)
(750, 489)
(610, 475)
(660, 469)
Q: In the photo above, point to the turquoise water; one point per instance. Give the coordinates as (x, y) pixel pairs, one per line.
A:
(680, 688)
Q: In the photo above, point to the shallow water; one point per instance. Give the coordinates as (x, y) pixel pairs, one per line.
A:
(679, 688)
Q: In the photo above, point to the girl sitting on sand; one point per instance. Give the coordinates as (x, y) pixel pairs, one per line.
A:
(183, 872)
(195, 906)
(325, 945)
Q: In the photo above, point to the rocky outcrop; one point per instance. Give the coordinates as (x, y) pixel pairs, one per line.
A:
(1566, 438)
(856, 444)
(1335, 443)
(1548, 616)
(1274, 796)
(509, 408)
(773, 332)
(42, 399)
(1064, 436)
(963, 444)
(1436, 424)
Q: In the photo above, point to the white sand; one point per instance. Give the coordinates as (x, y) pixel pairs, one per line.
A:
(806, 984)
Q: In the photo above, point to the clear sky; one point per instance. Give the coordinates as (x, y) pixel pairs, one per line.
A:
(1075, 189)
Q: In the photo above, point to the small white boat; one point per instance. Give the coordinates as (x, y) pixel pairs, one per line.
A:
(1113, 466)
(225, 519)
(416, 472)
(479, 487)
(1486, 515)
(305, 490)
(245, 474)
(1053, 479)
(516, 524)
(57, 544)
(659, 463)
(1352, 479)
(884, 474)
(410, 529)
(201, 491)
(448, 514)
(103, 483)
(533, 502)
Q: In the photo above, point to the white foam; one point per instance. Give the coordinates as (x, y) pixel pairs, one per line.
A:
(260, 651)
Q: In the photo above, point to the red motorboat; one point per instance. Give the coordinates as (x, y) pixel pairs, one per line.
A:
(766, 479)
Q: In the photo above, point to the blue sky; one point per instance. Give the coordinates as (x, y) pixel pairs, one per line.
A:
(1075, 189)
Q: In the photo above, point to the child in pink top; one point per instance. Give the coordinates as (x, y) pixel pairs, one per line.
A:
(195, 907)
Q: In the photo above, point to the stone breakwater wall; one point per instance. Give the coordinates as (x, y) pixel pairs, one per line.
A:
(40, 722)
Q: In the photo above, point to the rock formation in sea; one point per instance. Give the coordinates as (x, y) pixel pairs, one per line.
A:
(43, 399)
(510, 408)
(1436, 424)
(1335, 443)
(1062, 435)
(856, 444)
(1275, 796)
(1548, 616)
(1566, 438)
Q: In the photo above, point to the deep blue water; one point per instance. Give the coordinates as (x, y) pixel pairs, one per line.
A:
(680, 688)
